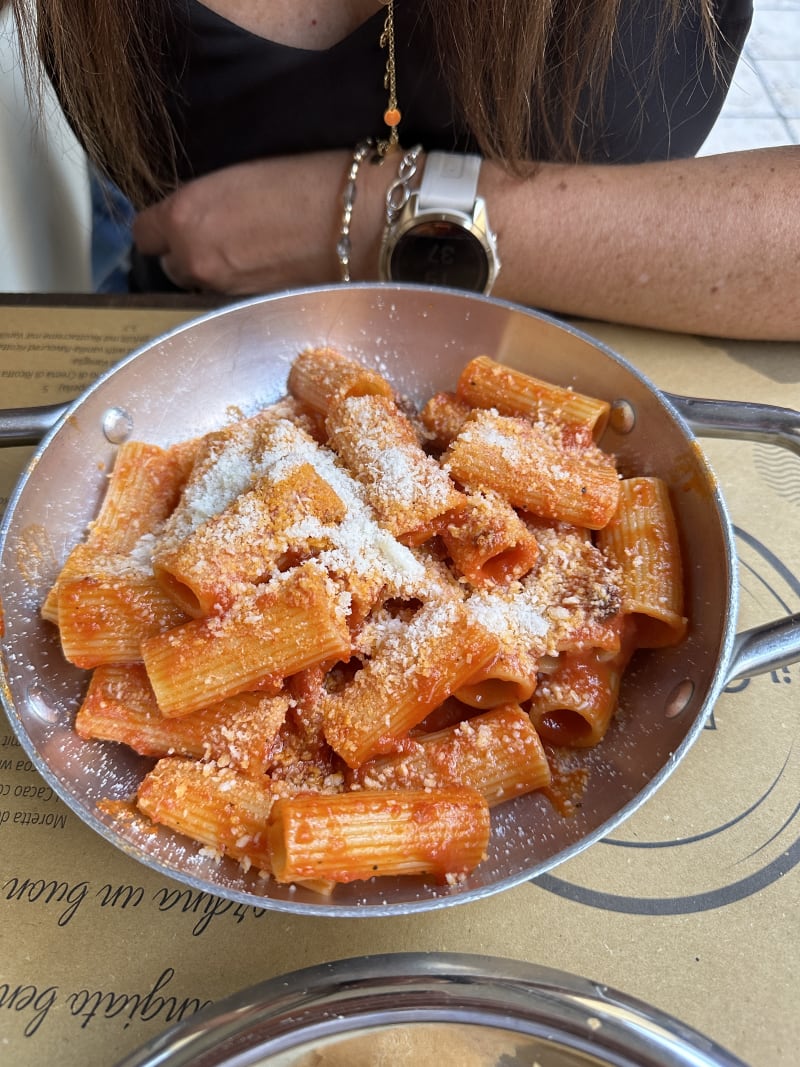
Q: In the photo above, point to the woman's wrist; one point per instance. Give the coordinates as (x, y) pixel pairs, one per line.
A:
(369, 215)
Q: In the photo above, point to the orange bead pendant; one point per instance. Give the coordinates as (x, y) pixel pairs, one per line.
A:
(392, 117)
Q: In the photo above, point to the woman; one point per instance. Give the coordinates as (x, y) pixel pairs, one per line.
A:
(231, 125)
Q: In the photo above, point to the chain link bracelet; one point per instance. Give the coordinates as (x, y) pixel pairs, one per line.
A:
(400, 189)
(344, 245)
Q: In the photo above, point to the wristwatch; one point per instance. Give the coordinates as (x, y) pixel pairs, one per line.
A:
(441, 235)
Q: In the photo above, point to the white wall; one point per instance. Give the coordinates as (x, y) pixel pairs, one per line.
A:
(45, 211)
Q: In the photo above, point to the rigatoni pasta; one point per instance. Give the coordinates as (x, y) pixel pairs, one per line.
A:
(321, 376)
(343, 631)
(290, 623)
(241, 732)
(225, 811)
(574, 703)
(259, 531)
(484, 383)
(498, 752)
(642, 539)
(488, 542)
(109, 607)
(525, 464)
(363, 834)
(410, 493)
(415, 669)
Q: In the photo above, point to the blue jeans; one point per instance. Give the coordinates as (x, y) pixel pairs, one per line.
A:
(112, 216)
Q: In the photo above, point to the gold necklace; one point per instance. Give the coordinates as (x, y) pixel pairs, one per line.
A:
(392, 114)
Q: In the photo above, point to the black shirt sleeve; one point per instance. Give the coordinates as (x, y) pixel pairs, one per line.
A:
(235, 96)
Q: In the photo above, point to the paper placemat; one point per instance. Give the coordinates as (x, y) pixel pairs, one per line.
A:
(691, 905)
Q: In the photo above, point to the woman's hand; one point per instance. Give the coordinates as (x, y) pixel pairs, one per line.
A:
(261, 226)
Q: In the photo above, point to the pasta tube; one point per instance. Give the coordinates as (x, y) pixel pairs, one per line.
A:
(488, 542)
(642, 539)
(412, 672)
(251, 539)
(508, 676)
(104, 615)
(227, 812)
(143, 489)
(228, 463)
(318, 377)
(443, 415)
(411, 495)
(576, 589)
(120, 706)
(353, 836)
(574, 705)
(484, 383)
(520, 462)
(292, 623)
(498, 753)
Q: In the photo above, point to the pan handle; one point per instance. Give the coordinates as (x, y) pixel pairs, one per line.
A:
(765, 648)
(27, 426)
(706, 418)
(740, 419)
(776, 644)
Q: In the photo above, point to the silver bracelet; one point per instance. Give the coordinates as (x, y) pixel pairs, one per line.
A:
(400, 190)
(344, 246)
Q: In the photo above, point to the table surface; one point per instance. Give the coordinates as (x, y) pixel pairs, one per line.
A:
(691, 905)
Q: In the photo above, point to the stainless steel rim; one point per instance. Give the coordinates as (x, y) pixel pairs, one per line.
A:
(565, 1012)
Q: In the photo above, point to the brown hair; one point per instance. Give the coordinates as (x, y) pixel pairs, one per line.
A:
(508, 61)
(516, 65)
(101, 57)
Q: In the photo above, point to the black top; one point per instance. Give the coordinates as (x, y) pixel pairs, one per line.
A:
(237, 96)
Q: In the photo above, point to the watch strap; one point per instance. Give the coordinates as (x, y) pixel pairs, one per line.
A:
(449, 182)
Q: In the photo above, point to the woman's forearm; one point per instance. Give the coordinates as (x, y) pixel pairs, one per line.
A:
(708, 245)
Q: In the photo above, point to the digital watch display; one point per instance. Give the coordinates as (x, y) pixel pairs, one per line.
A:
(440, 253)
(442, 235)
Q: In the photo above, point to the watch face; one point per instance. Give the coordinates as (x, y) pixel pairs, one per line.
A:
(440, 253)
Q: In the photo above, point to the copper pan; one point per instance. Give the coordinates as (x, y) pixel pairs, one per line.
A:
(188, 381)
